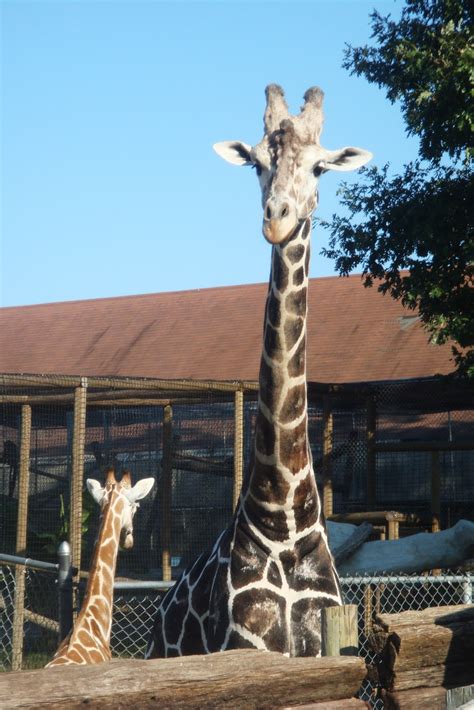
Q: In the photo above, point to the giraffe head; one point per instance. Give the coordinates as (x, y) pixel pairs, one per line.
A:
(123, 497)
(289, 161)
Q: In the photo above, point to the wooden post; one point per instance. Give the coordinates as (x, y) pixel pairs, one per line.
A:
(328, 498)
(21, 533)
(393, 528)
(368, 609)
(339, 631)
(166, 492)
(77, 480)
(435, 492)
(371, 460)
(238, 446)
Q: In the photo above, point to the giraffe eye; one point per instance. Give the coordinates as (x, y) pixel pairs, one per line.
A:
(318, 170)
(257, 167)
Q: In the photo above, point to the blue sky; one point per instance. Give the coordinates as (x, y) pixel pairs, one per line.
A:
(109, 184)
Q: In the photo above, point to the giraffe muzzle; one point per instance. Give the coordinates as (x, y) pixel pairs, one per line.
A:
(126, 540)
(279, 220)
(276, 231)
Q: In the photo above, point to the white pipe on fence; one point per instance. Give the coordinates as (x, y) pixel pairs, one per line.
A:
(27, 562)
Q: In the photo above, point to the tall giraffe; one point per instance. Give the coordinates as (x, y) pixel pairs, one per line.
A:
(269, 573)
(89, 640)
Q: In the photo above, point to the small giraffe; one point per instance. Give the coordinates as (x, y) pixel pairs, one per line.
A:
(89, 640)
(270, 572)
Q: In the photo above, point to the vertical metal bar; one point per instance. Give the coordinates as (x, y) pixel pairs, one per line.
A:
(467, 591)
(328, 440)
(65, 601)
(21, 532)
(166, 492)
(238, 446)
(435, 491)
(371, 458)
(78, 444)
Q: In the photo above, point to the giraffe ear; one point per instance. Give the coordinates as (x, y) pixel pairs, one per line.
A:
(95, 489)
(346, 159)
(234, 152)
(140, 489)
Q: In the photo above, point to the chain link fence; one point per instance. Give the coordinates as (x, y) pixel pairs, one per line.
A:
(29, 616)
(136, 604)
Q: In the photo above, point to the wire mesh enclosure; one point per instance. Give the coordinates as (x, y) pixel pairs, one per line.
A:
(397, 446)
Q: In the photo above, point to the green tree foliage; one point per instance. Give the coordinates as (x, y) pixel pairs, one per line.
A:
(422, 219)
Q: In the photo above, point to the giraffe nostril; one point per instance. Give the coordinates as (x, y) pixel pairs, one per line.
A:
(285, 210)
(268, 212)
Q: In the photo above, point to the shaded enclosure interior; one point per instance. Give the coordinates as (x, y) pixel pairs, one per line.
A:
(404, 446)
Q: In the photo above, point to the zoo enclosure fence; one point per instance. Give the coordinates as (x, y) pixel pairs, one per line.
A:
(30, 631)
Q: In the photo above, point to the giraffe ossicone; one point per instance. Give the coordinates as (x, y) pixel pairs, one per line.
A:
(270, 572)
(89, 640)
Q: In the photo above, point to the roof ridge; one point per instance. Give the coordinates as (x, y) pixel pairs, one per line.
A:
(136, 296)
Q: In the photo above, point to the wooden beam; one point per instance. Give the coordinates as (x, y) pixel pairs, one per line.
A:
(371, 452)
(435, 492)
(238, 446)
(247, 679)
(135, 383)
(166, 492)
(77, 479)
(21, 533)
(428, 446)
(328, 444)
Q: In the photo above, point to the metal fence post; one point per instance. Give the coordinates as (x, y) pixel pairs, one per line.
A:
(65, 605)
(467, 591)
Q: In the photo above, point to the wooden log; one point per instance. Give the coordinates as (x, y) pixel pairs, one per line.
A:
(339, 632)
(344, 704)
(386, 624)
(419, 698)
(231, 679)
(452, 675)
(431, 647)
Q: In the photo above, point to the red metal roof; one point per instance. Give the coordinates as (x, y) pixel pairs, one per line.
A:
(355, 334)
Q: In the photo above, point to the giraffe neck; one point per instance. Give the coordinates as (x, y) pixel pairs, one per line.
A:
(281, 494)
(98, 599)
